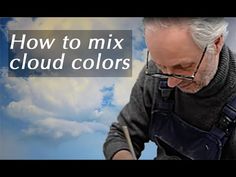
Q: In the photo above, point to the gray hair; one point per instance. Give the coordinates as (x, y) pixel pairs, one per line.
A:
(204, 31)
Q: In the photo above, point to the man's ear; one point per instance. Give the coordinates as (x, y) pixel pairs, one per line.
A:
(219, 42)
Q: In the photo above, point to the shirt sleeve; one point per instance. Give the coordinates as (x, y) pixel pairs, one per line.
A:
(136, 116)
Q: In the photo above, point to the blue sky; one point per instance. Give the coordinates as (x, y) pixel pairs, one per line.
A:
(63, 118)
(67, 118)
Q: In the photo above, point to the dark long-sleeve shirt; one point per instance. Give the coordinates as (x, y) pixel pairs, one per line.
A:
(201, 109)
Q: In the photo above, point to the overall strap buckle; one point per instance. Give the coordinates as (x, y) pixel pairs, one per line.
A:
(228, 119)
(225, 126)
(165, 89)
(166, 103)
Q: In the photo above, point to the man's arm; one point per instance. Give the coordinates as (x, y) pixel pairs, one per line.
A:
(136, 116)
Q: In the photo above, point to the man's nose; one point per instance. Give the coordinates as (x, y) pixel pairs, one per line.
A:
(173, 82)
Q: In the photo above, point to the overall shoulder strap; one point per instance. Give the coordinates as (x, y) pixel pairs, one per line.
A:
(228, 118)
(227, 122)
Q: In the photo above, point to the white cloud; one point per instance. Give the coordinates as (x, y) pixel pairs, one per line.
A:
(58, 128)
(72, 100)
(123, 86)
(54, 96)
(107, 115)
(25, 110)
(59, 106)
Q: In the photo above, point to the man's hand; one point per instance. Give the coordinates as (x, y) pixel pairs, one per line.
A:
(123, 155)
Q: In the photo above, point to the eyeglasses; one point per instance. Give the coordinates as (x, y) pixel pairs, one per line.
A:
(178, 76)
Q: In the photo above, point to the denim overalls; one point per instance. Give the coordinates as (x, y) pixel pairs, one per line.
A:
(183, 140)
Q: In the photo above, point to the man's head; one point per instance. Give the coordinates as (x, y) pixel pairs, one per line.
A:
(177, 44)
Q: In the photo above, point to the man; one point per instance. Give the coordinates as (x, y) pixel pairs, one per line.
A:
(180, 99)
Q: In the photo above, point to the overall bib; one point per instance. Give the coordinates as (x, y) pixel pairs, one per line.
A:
(183, 140)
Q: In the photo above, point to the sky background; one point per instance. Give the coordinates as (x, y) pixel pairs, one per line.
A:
(67, 117)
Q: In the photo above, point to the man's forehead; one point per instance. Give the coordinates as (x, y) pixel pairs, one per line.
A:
(166, 57)
(172, 44)
(168, 37)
